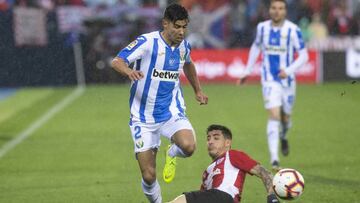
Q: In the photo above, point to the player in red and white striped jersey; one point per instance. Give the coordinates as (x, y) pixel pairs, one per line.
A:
(224, 178)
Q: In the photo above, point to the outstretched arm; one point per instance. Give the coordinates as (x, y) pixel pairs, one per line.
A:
(266, 177)
(253, 55)
(121, 66)
(191, 75)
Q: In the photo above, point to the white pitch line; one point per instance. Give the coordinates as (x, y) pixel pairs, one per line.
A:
(41, 121)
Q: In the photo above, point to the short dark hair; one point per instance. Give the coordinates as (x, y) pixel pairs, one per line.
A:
(175, 12)
(224, 130)
(284, 1)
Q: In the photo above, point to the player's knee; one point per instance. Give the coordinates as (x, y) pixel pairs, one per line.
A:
(274, 116)
(149, 175)
(189, 149)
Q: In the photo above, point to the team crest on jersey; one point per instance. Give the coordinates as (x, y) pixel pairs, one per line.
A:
(216, 172)
(182, 56)
(172, 61)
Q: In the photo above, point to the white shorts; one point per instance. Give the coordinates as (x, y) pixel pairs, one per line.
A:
(147, 136)
(276, 95)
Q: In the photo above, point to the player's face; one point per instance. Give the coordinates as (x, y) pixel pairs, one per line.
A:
(277, 11)
(175, 31)
(217, 144)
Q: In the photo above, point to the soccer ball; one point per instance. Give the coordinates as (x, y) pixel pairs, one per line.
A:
(288, 184)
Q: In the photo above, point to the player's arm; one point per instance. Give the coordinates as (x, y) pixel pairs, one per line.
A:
(253, 55)
(122, 67)
(302, 58)
(191, 75)
(135, 50)
(266, 177)
(298, 63)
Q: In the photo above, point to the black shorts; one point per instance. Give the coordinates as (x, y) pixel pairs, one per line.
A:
(208, 196)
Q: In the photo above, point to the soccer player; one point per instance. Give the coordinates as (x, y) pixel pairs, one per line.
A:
(277, 39)
(224, 178)
(156, 101)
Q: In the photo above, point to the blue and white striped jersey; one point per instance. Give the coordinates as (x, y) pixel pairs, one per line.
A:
(278, 45)
(157, 96)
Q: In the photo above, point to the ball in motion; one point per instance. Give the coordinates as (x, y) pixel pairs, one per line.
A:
(288, 184)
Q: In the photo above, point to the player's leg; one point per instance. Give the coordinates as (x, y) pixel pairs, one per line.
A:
(179, 130)
(149, 184)
(184, 143)
(272, 98)
(285, 126)
(146, 142)
(273, 134)
(287, 106)
(179, 199)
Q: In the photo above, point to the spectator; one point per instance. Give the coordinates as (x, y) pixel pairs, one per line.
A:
(341, 22)
(317, 28)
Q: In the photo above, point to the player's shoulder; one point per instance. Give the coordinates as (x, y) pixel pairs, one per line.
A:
(143, 40)
(291, 25)
(236, 153)
(186, 44)
(264, 24)
(147, 36)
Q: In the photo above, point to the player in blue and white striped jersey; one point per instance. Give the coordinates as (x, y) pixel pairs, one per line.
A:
(157, 105)
(277, 39)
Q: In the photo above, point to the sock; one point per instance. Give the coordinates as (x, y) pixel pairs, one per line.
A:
(176, 151)
(273, 138)
(285, 126)
(152, 192)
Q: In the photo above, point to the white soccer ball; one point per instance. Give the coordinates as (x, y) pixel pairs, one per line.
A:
(288, 184)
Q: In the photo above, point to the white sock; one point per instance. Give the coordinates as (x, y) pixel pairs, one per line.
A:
(273, 138)
(152, 192)
(176, 151)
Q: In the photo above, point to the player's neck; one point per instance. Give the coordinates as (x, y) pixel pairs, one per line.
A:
(220, 155)
(167, 40)
(278, 23)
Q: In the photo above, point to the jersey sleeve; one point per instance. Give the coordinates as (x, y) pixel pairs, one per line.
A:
(259, 35)
(241, 160)
(134, 50)
(187, 54)
(299, 43)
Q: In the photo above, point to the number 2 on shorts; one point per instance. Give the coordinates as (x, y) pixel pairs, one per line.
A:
(137, 132)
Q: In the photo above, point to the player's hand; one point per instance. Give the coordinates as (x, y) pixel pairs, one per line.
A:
(272, 199)
(242, 79)
(135, 75)
(282, 74)
(202, 98)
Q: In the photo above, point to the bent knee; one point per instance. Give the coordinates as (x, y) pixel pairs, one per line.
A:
(189, 149)
(149, 175)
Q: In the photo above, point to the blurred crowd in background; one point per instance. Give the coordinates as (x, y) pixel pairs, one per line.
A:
(105, 26)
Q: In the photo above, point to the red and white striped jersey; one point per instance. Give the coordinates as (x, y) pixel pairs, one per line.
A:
(227, 173)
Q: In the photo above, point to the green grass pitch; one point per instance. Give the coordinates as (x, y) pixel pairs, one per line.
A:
(85, 152)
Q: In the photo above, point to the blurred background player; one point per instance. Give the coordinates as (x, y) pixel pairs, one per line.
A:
(277, 39)
(224, 178)
(156, 102)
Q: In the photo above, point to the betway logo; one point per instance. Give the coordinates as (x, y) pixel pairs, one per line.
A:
(165, 75)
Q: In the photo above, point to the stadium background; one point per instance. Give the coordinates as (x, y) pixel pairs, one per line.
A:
(64, 111)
